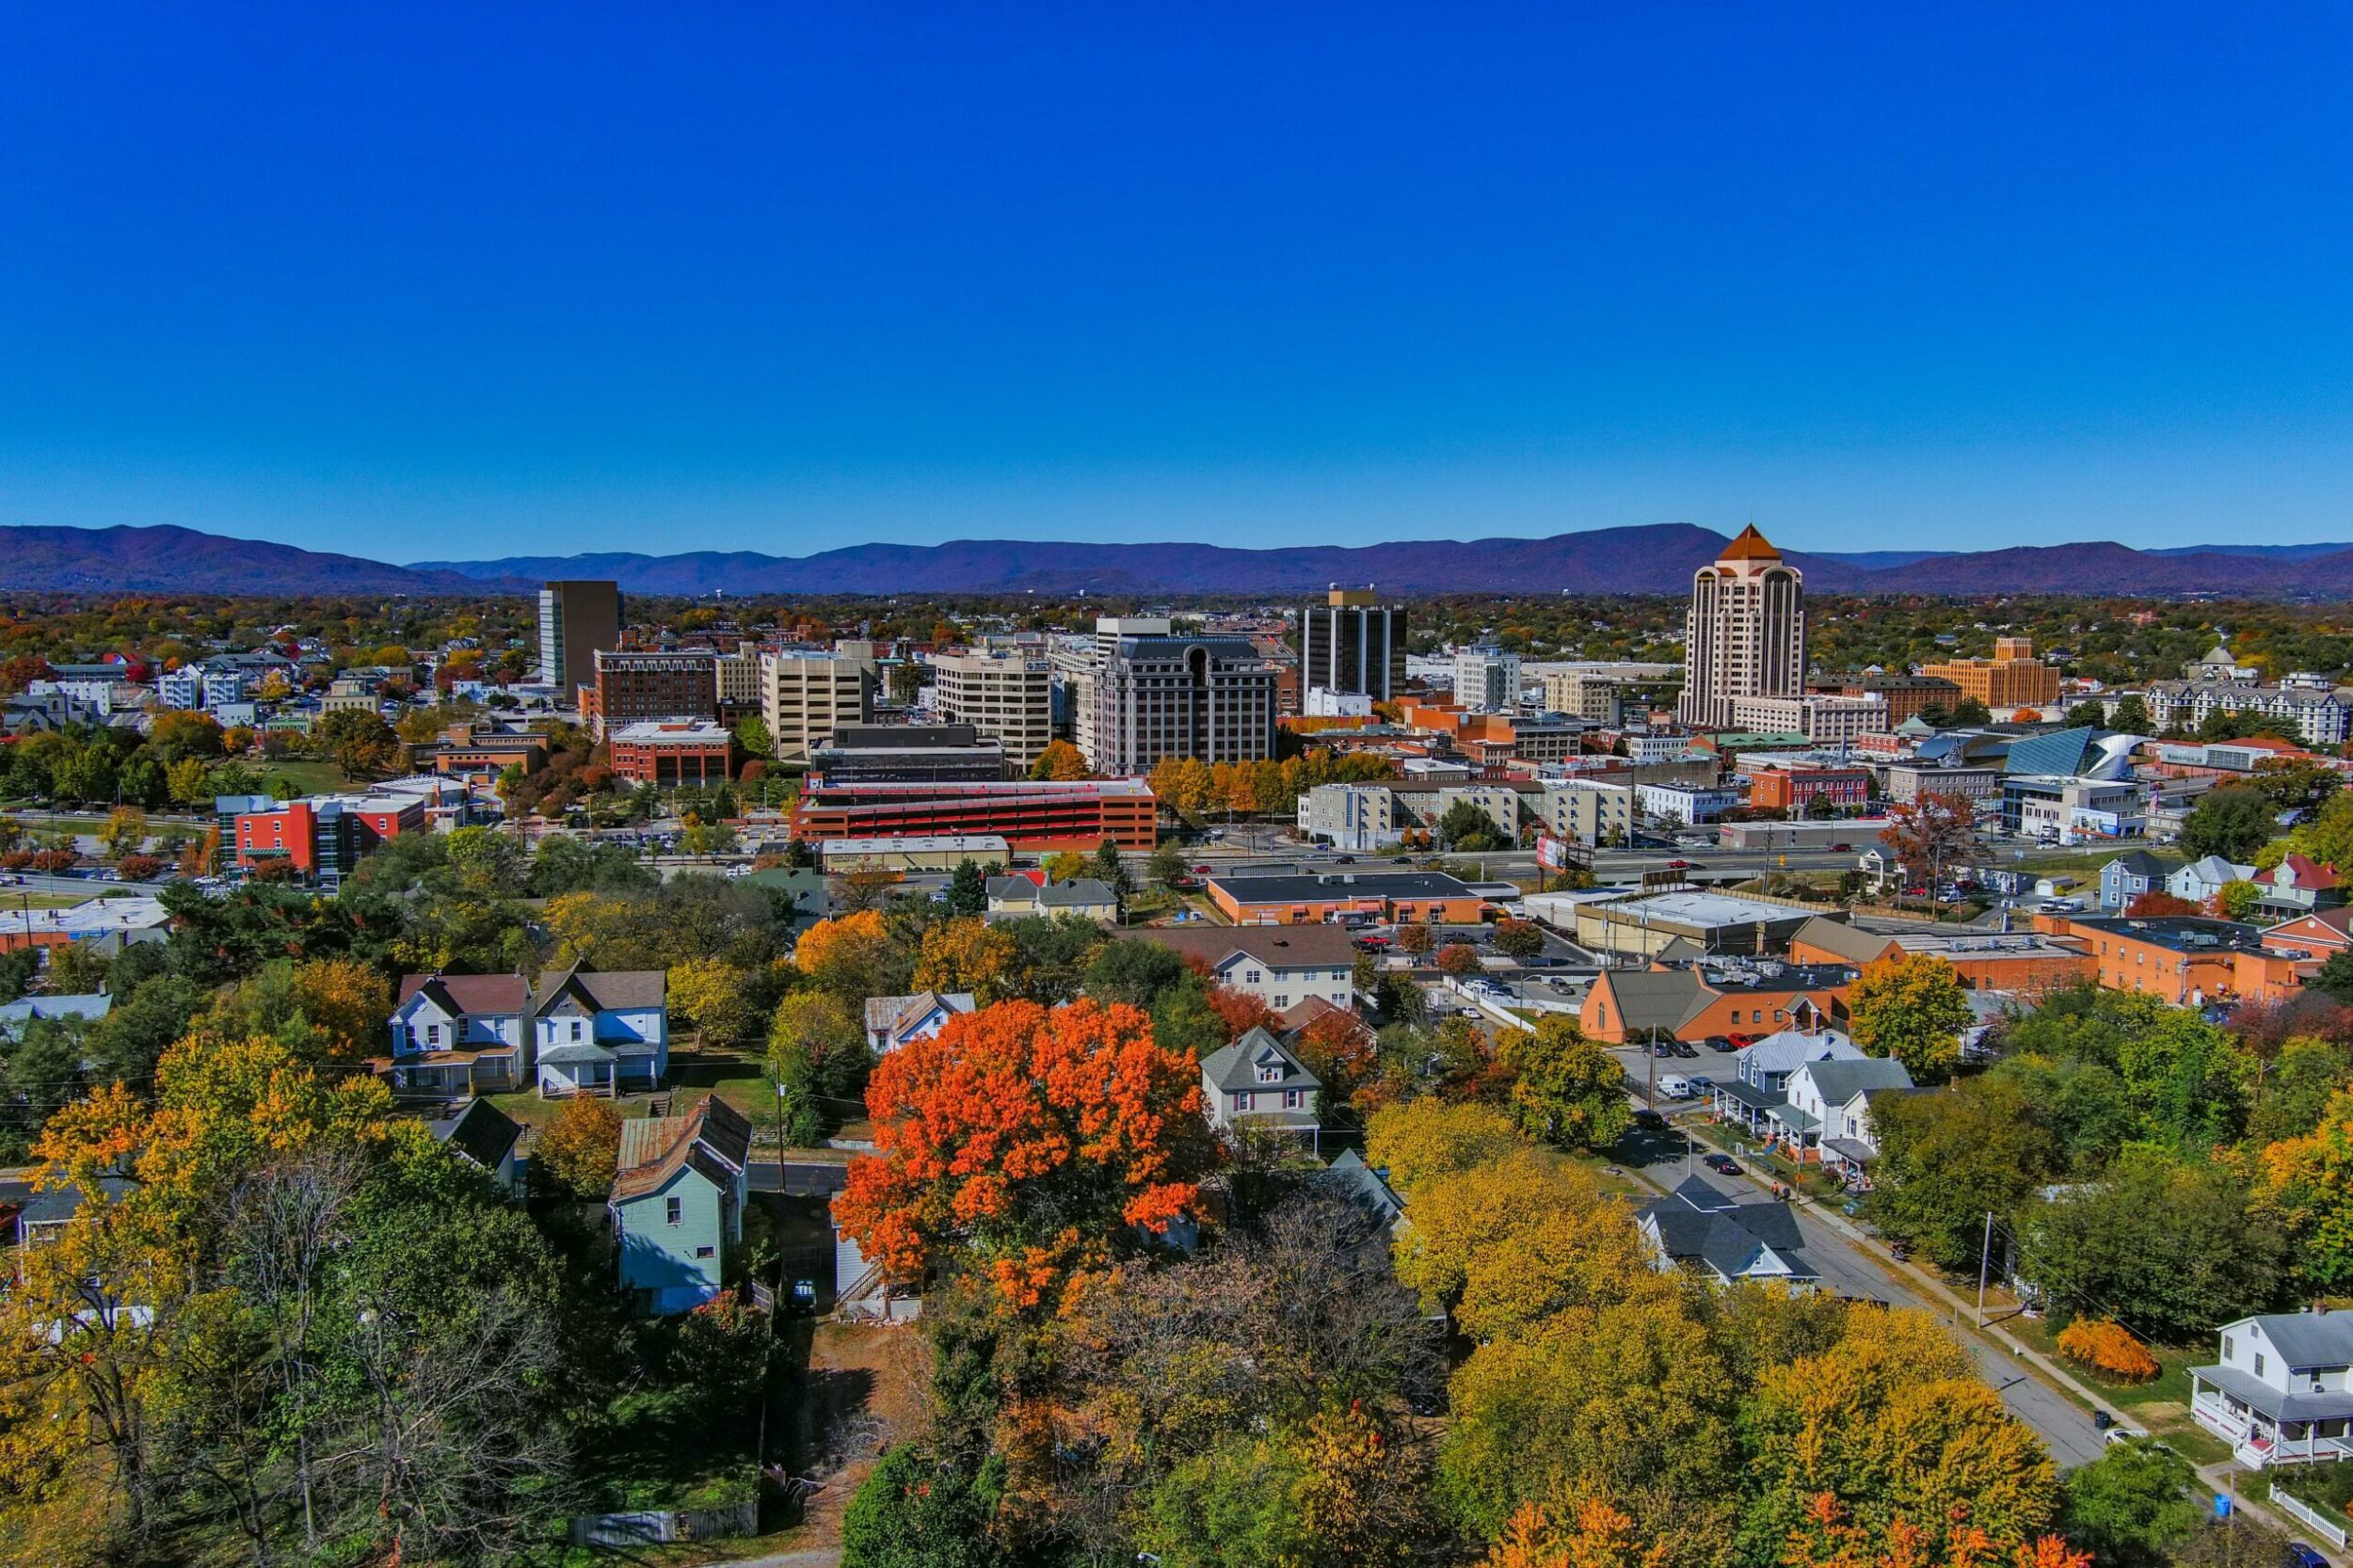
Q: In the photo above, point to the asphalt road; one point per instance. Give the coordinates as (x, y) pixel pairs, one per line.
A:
(1851, 1269)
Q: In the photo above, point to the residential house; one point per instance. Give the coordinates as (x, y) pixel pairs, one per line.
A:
(2280, 1394)
(1257, 1080)
(14, 1016)
(1010, 897)
(1282, 965)
(678, 1203)
(482, 1134)
(1368, 1186)
(47, 1213)
(2201, 880)
(894, 1021)
(2297, 885)
(1760, 1082)
(1827, 1114)
(1724, 1240)
(461, 1034)
(2129, 876)
(600, 1034)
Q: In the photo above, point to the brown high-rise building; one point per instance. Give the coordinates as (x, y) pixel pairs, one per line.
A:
(575, 620)
(634, 686)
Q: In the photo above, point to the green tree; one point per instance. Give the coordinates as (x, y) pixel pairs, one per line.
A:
(1913, 1007)
(1566, 1090)
(1467, 827)
(1167, 866)
(2177, 1244)
(1948, 1160)
(2132, 717)
(1111, 871)
(1970, 711)
(751, 733)
(2130, 1505)
(915, 1509)
(967, 890)
(2233, 821)
(2090, 712)
(358, 741)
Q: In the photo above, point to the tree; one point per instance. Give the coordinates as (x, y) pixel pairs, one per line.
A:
(1913, 1007)
(2297, 786)
(1423, 1140)
(2092, 712)
(1060, 760)
(346, 1001)
(1512, 1243)
(2233, 821)
(2109, 1347)
(1111, 870)
(1970, 711)
(916, 1509)
(1167, 866)
(846, 954)
(1062, 865)
(579, 1148)
(2179, 1244)
(1414, 940)
(752, 735)
(967, 890)
(358, 741)
(1933, 834)
(1518, 939)
(967, 954)
(1459, 958)
(2237, 900)
(126, 831)
(2156, 903)
(2130, 1505)
(818, 1061)
(2328, 836)
(1947, 1161)
(727, 1004)
(1031, 1140)
(1566, 1090)
(1465, 826)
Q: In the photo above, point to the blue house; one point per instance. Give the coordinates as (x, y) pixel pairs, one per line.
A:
(678, 1203)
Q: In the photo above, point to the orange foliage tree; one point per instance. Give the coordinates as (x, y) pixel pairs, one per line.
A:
(1588, 1534)
(1240, 1012)
(2109, 1348)
(1829, 1539)
(1031, 1140)
(843, 954)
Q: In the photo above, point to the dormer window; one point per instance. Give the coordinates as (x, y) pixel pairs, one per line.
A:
(1270, 1072)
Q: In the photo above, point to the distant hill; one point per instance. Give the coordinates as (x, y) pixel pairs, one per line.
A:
(1650, 559)
(168, 560)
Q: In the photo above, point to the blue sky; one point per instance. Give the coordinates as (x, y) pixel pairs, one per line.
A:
(418, 282)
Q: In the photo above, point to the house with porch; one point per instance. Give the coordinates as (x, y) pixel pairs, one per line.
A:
(595, 1033)
(1759, 1086)
(2297, 885)
(678, 1203)
(1257, 1080)
(459, 1035)
(2129, 876)
(2281, 1393)
(1827, 1116)
(2201, 879)
(1723, 1239)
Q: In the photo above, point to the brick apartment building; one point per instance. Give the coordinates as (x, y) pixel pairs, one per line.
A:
(633, 686)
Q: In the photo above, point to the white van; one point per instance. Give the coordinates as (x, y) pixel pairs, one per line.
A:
(1675, 1086)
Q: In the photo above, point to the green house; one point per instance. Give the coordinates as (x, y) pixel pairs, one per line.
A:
(678, 1203)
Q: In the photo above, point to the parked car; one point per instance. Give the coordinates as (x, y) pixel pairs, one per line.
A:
(1686, 1050)
(1650, 1121)
(1722, 1165)
(2301, 1555)
(1739, 1041)
(1719, 1042)
(1842, 849)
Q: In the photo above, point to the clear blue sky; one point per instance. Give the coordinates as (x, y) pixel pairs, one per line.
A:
(416, 281)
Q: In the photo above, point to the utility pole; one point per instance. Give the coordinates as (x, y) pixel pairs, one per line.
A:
(1985, 1261)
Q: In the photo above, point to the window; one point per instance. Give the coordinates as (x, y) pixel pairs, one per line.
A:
(1281, 1001)
(1291, 1102)
(433, 1034)
(575, 1029)
(1240, 1100)
(2259, 1364)
(673, 1209)
(706, 1252)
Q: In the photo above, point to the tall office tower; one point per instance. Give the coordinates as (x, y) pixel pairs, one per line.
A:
(1209, 698)
(633, 686)
(1352, 642)
(1487, 677)
(1075, 665)
(575, 620)
(806, 695)
(1745, 635)
(1005, 696)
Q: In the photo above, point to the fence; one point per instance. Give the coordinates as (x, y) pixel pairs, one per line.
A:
(654, 1527)
(2311, 1518)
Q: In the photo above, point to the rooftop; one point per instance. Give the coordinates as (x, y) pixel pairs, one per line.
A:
(1340, 885)
(2184, 934)
(975, 844)
(1692, 907)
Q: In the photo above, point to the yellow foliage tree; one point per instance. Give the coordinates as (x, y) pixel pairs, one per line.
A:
(1427, 1138)
(968, 955)
(346, 1001)
(1589, 1533)
(2109, 1348)
(581, 1146)
(843, 954)
(1060, 760)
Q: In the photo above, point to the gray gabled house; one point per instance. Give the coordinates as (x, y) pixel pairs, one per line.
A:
(1257, 1080)
(1724, 1240)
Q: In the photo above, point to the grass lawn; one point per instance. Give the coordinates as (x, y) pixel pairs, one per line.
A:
(307, 776)
(2160, 1405)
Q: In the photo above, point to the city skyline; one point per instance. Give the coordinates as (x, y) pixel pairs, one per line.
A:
(459, 286)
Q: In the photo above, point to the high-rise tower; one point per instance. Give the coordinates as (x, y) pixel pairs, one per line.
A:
(1745, 635)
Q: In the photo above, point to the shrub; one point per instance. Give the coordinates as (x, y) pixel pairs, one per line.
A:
(2107, 1347)
(138, 868)
(1459, 960)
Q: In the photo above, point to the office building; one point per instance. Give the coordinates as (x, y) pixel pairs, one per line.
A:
(670, 752)
(576, 620)
(1830, 721)
(1587, 812)
(807, 696)
(1210, 699)
(1350, 816)
(1352, 642)
(1745, 634)
(1007, 697)
(1487, 677)
(635, 686)
(2013, 678)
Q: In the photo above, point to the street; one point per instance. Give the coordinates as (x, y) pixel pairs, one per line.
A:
(1852, 1269)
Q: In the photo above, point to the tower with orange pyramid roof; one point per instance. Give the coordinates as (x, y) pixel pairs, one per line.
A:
(1745, 634)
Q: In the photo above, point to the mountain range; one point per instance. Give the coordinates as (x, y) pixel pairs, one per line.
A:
(1647, 559)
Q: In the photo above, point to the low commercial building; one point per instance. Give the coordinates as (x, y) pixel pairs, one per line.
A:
(2025, 963)
(1686, 804)
(1796, 790)
(473, 752)
(670, 752)
(1909, 781)
(942, 852)
(110, 923)
(1031, 815)
(907, 753)
(2073, 809)
(1712, 922)
(2186, 960)
(323, 838)
(1404, 897)
(1691, 1002)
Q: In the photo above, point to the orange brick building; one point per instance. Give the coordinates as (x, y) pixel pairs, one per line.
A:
(1684, 1003)
(2186, 960)
(1406, 897)
(2029, 963)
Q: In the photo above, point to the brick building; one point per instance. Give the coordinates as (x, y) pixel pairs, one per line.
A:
(1029, 815)
(670, 752)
